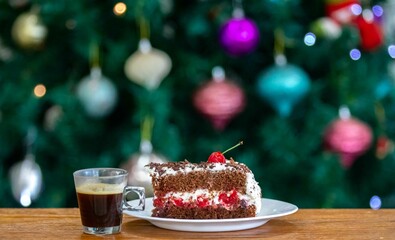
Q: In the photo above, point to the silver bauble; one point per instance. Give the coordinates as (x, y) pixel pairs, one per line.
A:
(26, 180)
(138, 175)
(97, 94)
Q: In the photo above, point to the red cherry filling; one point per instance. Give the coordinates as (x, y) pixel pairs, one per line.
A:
(158, 202)
(228, 198)
(202, 202)
(178, 202)
(216, 157)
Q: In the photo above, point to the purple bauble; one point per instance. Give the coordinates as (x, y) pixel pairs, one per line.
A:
(239, 36)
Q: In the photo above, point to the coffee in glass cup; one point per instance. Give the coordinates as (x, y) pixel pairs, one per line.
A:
(101, 194)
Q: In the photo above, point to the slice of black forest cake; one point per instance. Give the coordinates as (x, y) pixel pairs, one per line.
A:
(216, 189)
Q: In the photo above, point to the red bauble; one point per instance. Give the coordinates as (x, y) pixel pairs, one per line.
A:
(371, 33)
(349, 137)
(219, 100)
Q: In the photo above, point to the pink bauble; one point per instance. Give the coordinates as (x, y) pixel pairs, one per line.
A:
(349, 137)
(219, 101)
(239, 36)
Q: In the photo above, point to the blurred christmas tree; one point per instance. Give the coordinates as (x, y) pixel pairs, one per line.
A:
(307, 85)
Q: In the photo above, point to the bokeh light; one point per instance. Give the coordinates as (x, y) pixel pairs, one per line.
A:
(25, 199)
(375, 202)
(368, 15)
(377, 10)
(355, 54)
(344, 112)
(391, 51)
(280, 59)
(119, 8)
(71, 24)
(40, 90)
(356, 9)
(309, 39)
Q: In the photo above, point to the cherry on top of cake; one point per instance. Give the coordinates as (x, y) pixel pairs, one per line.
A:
(219, 157)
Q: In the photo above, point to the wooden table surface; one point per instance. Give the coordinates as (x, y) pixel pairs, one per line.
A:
(65, 224)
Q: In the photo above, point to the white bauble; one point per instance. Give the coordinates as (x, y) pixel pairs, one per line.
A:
(147, 66)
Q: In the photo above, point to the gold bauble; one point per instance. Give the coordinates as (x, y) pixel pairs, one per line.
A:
(28, 31)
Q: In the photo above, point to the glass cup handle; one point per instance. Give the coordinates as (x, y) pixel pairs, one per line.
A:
(140, 192)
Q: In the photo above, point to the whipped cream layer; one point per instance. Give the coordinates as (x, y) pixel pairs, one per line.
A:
(205, 197)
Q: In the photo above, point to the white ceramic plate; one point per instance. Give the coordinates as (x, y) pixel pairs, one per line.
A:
(270, 209)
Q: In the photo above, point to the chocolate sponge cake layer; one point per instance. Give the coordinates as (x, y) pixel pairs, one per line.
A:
(186, 176)
(223, 181)
(203, 213)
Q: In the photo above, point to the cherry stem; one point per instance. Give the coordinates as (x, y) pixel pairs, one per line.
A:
(235, 146)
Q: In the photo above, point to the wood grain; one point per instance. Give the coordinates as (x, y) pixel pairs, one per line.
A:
(65, 224)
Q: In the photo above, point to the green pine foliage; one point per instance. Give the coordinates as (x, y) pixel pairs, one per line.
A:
(287, 154)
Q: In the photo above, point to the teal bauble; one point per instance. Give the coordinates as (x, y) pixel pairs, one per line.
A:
(282, 86)
(383, 88)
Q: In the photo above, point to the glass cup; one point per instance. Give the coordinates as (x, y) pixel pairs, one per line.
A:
(101, 194)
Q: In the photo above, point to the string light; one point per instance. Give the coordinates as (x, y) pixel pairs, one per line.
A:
(368, 15)
(391, 51)
(356, 9)
(309, 39)
(119, 8)
(355, 54)
(25, 199)
(378, 11)
(375, 202)
(40, 90)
